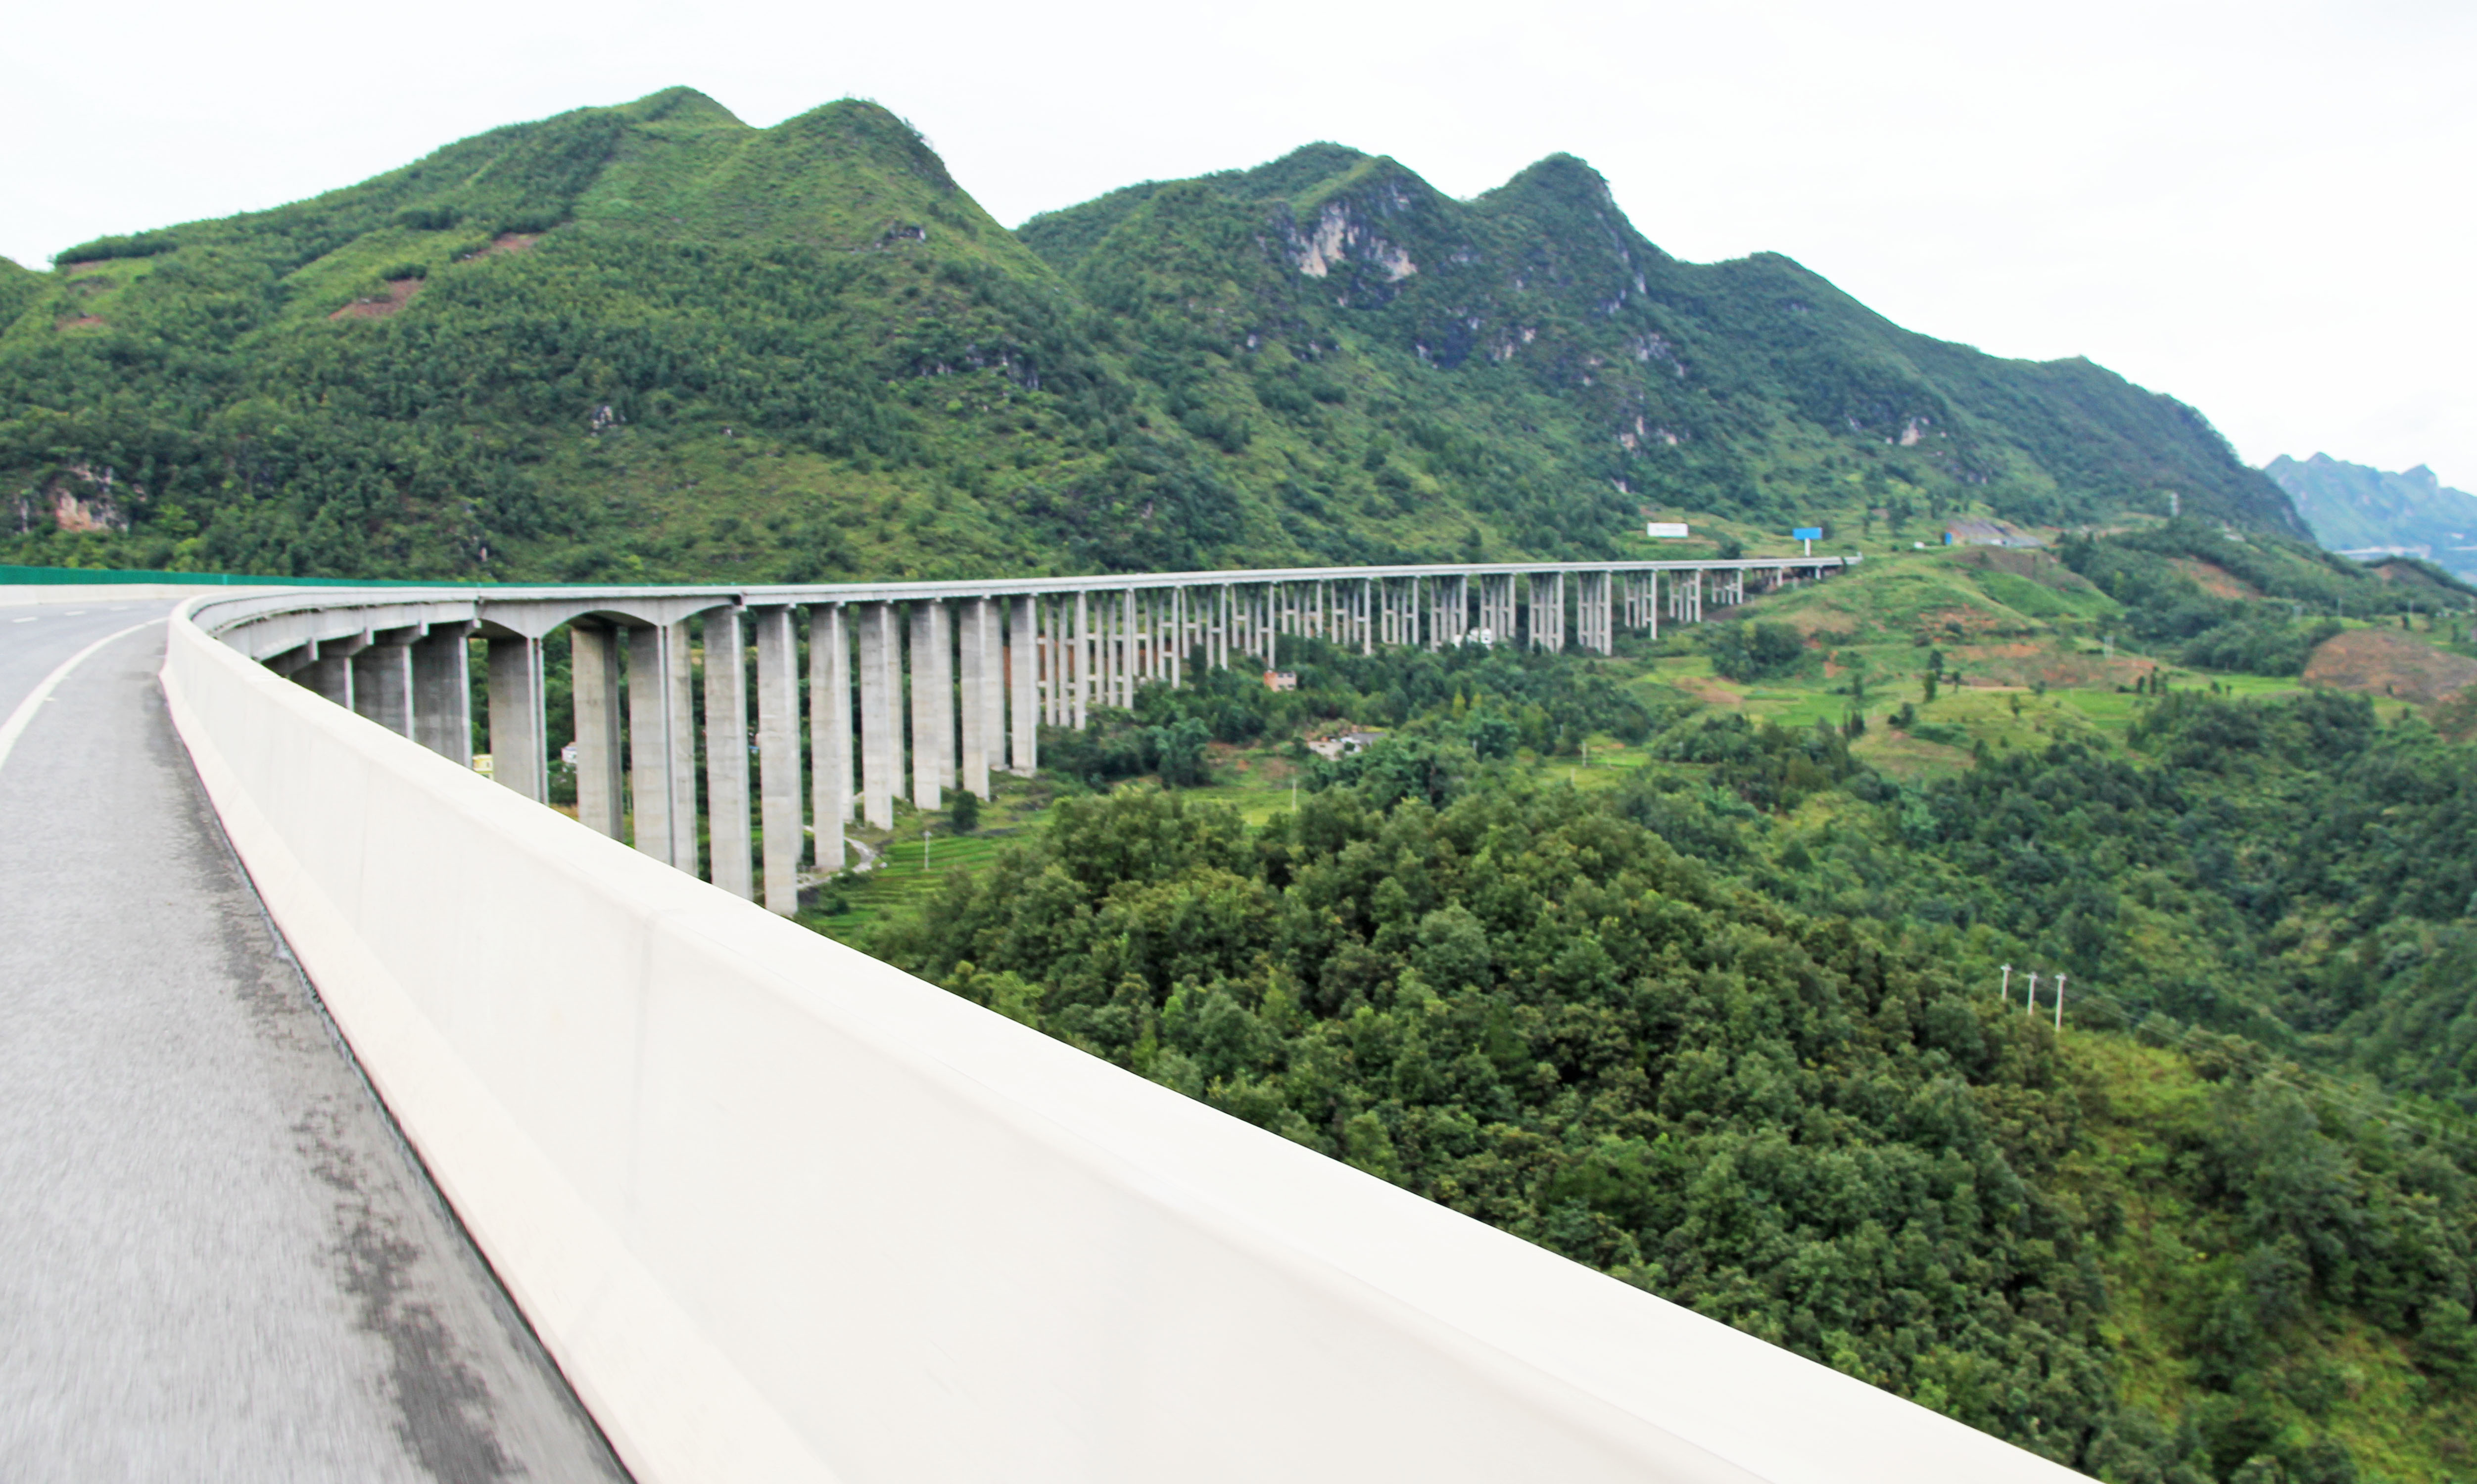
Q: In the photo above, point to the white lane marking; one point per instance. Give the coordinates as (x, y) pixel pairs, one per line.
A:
(25, 712)
(28, 619)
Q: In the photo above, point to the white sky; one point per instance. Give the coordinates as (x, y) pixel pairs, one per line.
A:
(2265, 208)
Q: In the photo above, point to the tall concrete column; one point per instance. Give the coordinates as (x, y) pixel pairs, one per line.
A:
(519, 752)
(994, 728)
(331, 674)
(1055, 638)
(442, 693)
(1098, 690)
(1593, 613)
(1023, 656)
(880, 734)
(1181, 615)
(930, 730)
(726, 751)
(1081, 687)
(652, 721)
(778, 755)
(382, 681)
(682, 768)
(830, 731)
(1127, 655)
(970, 618)
(942, 622)
(1045, 658)
(593, 670)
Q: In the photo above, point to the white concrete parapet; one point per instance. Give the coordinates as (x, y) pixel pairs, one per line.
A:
(782, 1213)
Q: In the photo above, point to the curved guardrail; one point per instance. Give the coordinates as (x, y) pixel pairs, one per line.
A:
(782, 1213)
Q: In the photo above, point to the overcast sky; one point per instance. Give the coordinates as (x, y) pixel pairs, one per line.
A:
(2265, 208)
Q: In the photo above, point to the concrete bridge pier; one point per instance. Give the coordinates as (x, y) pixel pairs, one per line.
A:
(1593, 624)
(442, 691)
(1451, 616)
(661, 743)
(778, 755)
(933, 702)
(830, 728)
(382, 679)
(981, 683)
(1548, 611)
(1023, 662)
(330, 671)
(726, 752)
(881, 736)
(593, 673)
(519, 740)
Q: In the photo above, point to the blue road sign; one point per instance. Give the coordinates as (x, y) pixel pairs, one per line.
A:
(1806, 533)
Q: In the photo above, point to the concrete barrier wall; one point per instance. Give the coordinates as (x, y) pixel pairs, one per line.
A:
(783, 1213)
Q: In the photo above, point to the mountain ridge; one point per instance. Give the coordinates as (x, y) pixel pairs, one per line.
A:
(652, 340)
(2356, 507)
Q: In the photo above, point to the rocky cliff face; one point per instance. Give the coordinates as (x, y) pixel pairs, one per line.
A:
(1749, 385)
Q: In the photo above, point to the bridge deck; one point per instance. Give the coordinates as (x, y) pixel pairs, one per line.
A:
(223, 1261)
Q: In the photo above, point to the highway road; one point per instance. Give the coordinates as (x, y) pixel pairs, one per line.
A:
(219, 1260)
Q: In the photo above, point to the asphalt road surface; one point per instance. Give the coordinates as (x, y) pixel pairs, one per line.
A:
(219, 1260)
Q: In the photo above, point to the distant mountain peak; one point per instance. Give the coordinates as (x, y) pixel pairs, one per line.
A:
(2360, 509)
(685, 105)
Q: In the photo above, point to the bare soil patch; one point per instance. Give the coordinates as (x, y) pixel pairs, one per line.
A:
(1704, 688)
(79, 322)
(2216, 581)
(2385, 662)
(400, 292)
(1957, 626)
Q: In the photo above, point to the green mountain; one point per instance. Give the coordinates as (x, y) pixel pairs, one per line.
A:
(651, 341)
(2352, 507)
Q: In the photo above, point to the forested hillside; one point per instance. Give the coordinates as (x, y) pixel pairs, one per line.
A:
(651, 341)
(1731, 1029)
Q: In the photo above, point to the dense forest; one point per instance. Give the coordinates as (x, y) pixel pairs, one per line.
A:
(1731, 1030)
(652, 341)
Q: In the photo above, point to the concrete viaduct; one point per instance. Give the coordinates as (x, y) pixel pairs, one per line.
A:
(730, 1201)
(978, 666)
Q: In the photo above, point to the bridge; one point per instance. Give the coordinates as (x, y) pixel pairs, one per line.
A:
(769, 1209)
(987, 665)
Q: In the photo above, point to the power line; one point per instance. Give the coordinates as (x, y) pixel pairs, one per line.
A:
(2432, 1120)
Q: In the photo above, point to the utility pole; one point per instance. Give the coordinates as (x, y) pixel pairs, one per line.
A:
(924, 847)
(2059, 1002)
(2006, 995)
(2032, 1003)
